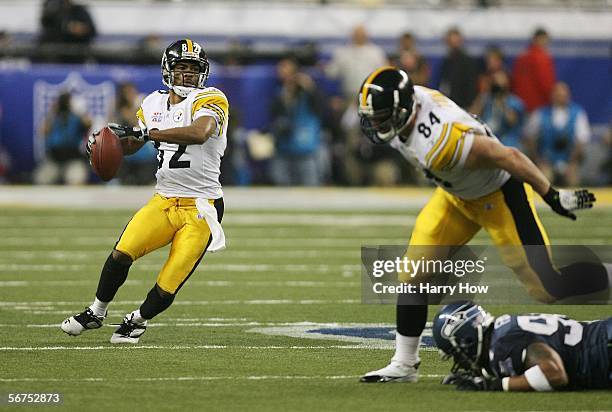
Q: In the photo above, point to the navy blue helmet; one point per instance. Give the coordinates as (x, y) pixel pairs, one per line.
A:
(459, 329)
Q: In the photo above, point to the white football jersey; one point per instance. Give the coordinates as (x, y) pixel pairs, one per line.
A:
(439, 145)
(188, 170)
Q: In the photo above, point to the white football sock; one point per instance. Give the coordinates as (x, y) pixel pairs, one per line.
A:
(137, 317)
(99, 308)
(406, 349)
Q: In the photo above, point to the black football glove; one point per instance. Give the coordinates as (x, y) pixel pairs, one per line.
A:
(90, 142)
(477, 383)
(454, 377)
(565, 201)
(124, 132)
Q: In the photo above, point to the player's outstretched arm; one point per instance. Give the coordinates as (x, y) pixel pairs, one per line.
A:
(489, 153)
(197, 132)
(544, 370)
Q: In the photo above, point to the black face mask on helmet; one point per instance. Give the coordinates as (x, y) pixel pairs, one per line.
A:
(185, 50)
(386, 104)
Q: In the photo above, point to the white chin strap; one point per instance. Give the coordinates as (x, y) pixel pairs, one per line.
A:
(183, 91)
(385, 137)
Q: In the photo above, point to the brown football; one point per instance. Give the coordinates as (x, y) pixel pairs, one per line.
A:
(106, 154)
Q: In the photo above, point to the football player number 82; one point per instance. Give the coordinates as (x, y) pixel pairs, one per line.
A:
(174, 162)
(548, 324)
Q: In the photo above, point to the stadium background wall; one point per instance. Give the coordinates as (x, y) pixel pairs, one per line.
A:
(580, 47)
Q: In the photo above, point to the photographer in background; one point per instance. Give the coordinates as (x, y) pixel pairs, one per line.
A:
(63, 131)
(556, 135)
(501, 110)
(297, 126)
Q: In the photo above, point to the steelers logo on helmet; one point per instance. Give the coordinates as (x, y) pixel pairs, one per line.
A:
(185, 50)
(386, 104)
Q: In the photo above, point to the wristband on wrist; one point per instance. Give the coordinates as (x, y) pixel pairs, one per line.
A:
(537, 380)
(506, 384)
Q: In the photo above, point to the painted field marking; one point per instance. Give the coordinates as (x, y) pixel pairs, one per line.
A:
(294, 242)
(204, 378)
(35, 304)
(50, 267)
(244, 219)
(178, 347)
(81, 254)
(198, 323)
(208, 283)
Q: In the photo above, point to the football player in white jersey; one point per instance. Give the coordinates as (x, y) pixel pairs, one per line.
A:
(481, 184)
(187, 124)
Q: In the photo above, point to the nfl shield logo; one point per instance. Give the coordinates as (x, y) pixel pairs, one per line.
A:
(95, 100)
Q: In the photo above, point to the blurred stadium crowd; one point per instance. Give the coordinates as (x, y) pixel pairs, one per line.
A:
(313, 136)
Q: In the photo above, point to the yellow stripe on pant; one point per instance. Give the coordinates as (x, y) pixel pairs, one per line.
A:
(159, 222)
(447, 220)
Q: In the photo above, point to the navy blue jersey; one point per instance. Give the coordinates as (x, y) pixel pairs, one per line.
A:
(583, 347)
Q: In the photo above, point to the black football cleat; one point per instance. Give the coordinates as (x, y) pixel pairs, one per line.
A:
(76, 324)
(129, 331)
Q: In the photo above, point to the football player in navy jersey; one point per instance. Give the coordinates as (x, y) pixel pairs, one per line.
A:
(532, 352)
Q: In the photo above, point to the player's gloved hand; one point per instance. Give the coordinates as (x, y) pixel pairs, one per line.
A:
(90, 142)
(124, 132)
(565, 201)
(478, 383)
(454, 377)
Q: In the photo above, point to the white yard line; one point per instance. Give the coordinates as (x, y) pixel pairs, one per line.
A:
(255, 241)
(179, 347)
(36, 304)
(208, 283)
(81, 254)
(196, 324)
(203, 378)
(243, 219)
(50, 267)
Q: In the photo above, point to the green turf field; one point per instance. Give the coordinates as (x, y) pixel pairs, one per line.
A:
(281, 271)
